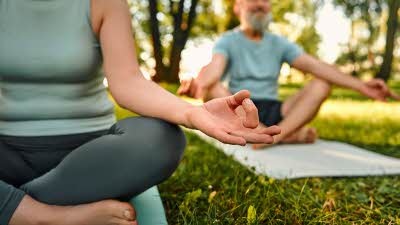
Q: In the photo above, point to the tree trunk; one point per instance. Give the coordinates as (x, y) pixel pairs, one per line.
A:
(392, 24)
(181, 35)
(156, 39)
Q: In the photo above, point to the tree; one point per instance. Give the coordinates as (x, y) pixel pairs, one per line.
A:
(299, 18)
(392, 25)
(182, 24)
(163, 27)
(369, 13)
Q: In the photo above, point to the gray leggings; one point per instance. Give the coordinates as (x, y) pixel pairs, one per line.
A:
(132, 156)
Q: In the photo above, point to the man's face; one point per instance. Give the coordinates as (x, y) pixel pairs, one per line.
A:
(255, 13)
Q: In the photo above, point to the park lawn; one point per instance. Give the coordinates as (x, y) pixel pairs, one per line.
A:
(211, 188)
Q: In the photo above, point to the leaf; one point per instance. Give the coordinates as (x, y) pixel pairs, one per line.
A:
(251, 215)
(211, 196)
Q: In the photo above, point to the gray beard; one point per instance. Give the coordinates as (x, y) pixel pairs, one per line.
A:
(257, 24)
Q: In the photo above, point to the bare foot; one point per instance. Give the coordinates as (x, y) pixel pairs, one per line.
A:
(107, 212)
(305, 135)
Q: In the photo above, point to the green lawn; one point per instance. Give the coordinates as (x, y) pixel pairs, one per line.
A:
(211, 188)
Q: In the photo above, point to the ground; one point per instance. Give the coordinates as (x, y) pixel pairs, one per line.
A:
(211, 188)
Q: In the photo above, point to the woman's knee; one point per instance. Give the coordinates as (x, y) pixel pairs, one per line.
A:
(160, 142)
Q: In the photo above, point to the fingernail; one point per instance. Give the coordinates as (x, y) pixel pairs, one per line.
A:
(247, 101)
(128, 214)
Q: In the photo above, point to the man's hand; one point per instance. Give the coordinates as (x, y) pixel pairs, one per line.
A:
(192, 88)
(378, 90)
(219, 118)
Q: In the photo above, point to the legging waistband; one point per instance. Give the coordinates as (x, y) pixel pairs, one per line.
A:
(49, 143)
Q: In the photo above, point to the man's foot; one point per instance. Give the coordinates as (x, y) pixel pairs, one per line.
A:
(107, 212)
(305, 135)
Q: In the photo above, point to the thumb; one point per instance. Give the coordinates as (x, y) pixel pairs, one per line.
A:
(237, 99)
(251, 119)
(184, 87)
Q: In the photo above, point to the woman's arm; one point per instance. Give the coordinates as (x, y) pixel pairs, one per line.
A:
(132, 91)
(126, 82)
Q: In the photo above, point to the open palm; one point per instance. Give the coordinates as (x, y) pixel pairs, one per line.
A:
(221, 118)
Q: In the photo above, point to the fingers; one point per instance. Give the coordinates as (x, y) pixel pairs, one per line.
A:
(199, 93)
(251, 118)
(382, 86)
(384, 90)
(272, 130)
(394, 96)
(253, 137)
(192, 88)
(184, 87)
(221, 134)
(262, 135)
(237, 99)
(227, 138)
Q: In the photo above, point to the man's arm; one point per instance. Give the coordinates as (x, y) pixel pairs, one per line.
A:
(207, 79)
(375, 89)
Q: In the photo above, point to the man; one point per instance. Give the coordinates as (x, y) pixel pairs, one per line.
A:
(251, 59)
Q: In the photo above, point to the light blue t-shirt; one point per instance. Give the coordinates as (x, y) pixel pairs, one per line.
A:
(255, 66)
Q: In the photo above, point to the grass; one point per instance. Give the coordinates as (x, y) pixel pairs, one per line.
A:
(211, 188)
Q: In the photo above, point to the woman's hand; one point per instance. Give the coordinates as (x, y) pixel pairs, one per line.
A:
(231, 120)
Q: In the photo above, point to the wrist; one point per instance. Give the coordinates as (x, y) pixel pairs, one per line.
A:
(360, 86)
(185, 116)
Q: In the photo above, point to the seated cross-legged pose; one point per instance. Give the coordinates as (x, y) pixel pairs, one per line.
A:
(250, 58)
(64, 160)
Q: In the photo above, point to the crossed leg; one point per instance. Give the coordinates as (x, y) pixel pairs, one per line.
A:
(297, 111)
(300, 109)
(135, 155)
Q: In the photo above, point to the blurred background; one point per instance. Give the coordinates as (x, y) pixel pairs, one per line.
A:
(175, 37)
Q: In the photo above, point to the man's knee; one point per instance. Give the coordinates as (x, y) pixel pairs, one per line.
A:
(321, 87)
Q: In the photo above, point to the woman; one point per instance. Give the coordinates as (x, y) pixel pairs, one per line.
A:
(60, 160)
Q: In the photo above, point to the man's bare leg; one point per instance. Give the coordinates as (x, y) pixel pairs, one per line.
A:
(107, 212)
(300, 109)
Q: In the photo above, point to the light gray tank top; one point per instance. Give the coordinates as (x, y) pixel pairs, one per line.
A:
(50, 60)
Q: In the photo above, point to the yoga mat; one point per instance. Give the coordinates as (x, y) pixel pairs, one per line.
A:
(321, 159)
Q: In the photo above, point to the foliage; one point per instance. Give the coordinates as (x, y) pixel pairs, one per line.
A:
(363, 50)
(211, 188)
(162, 28)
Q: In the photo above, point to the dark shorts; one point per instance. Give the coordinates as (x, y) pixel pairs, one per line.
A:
(269, 111)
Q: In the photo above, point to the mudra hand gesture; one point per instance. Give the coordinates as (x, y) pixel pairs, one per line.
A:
(231, 120)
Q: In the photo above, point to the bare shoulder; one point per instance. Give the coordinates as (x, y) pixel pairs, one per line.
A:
(100, 9)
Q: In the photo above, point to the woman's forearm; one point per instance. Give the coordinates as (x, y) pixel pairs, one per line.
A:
(148, 99)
